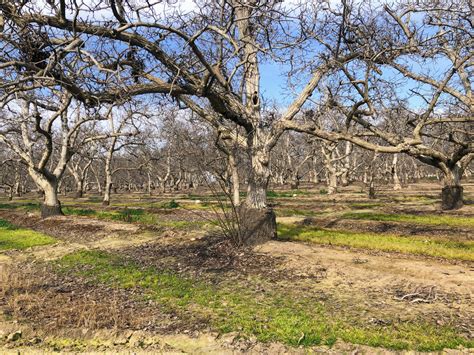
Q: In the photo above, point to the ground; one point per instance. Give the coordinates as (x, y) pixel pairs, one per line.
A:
(152, 273)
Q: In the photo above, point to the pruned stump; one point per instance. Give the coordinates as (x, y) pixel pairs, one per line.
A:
(50, 211)
(257, 226)
(452, 197)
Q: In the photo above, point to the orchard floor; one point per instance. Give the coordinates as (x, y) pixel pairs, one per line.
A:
(150, 274)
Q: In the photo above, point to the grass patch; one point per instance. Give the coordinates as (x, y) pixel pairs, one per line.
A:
(27, 206)
(437, 247)
(286, 194)
(438, 220)
(133, 215)
(270, 315)
(170, 204)
(12, 237)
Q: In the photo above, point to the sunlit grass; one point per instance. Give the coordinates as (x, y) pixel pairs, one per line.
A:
(269, 316)
(12, 237)
(447, 220)
(430, 246)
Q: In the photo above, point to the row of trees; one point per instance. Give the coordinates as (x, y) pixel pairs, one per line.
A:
(393, 78)
(136, 163)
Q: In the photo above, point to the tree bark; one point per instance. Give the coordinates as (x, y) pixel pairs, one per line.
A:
(49, 185)
(257, 220)
(107, 192)
(79, 189)
(234, 173)
(452, 191)
(396, 179)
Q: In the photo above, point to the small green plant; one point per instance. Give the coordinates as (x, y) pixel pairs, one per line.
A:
(129, 215)
(171, 204)
(79, 211)
(6, 225)
(323, 191)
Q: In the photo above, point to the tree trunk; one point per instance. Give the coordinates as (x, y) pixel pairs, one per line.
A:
(108, 180)
(332, 183)
(372, 194)
(17, 189)
(234, 173)
(396, 179)
(49, 185)
(79, 189)
(257, 220)
(107, 191)
(452, 192)
(295, 180)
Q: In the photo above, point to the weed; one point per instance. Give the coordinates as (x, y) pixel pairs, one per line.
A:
(171, 204)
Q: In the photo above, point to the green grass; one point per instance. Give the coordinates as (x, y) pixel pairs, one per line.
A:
(133, 215)
(286, 194)
(446, 220)
(12, 237)
(270, 315)
(430, 246)
(24, 205)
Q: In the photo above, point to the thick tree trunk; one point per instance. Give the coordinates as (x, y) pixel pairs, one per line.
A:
(51, 205)
(452, 192)
(49, 185)
(257, 220)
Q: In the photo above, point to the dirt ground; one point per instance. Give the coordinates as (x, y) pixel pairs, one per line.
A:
(376, 287)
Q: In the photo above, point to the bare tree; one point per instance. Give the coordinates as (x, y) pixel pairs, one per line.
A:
(207, 59)
(420, 112)
(43, 136)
